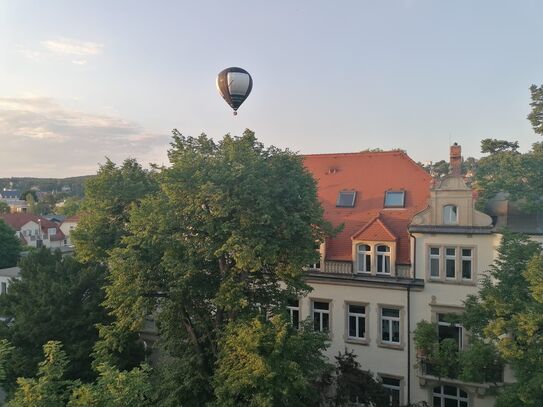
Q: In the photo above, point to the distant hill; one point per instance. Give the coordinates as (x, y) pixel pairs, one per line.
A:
(75, 184)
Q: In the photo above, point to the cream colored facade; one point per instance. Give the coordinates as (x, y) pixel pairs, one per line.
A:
(454, 239)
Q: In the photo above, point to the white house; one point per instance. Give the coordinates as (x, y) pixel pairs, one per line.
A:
(35, 230)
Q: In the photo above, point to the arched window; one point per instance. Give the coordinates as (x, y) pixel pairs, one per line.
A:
(383, 259)
(364, 258)
(450, 215)
(449, 396)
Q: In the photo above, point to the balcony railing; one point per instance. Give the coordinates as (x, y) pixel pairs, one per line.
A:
(347, 268)
(492, 374)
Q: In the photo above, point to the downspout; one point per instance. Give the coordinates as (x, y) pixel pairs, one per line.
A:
(409, 320)
(408, 345)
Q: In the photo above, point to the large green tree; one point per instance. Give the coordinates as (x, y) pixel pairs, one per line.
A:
(10, 247)
(507, 170)
(507, 314)
(54, 298)
(536, 115)
(224, 240)
(108, 197)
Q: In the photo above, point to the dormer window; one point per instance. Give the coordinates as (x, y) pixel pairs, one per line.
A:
(383, 259)
(364, 258)
(450, 215)
(394, 199)
(346, 199)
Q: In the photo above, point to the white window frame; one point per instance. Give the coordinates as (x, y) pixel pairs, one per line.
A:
(291, 310)
(358, 318)
(397, 388)
(447, 214)
(390, 322)
(365, 254)
(448, 324)
(321, 312)
(434, 257)
(381, 258)
(442, 396)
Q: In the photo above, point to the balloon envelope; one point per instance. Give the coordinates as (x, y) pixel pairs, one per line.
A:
(234, 85)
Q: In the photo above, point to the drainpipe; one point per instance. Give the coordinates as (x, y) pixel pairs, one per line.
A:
(409, 320)
(408, 345)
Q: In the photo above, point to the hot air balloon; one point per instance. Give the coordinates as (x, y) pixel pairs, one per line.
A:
(234, 85)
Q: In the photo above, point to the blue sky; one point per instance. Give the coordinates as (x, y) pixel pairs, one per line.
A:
(83, 80)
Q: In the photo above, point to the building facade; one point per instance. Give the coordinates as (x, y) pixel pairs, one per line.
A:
(411, 249)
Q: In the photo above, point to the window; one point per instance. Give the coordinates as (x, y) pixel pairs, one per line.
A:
(467, 261)
(346, 199)
(321, 316)
(450, 262)
(393, 387)
(450, 215)
(315, 266)
(449, 396)
(356, 321)
(293, 307)
(394, 199)
(390, 326)
(449, 328)
(4, 288)
(435, 254)
(383, 259)
(364, 258)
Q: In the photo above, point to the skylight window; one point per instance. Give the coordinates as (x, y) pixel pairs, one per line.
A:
(346, 199)
(394, 199)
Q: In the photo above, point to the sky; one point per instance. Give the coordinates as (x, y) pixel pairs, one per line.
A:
(85, 80)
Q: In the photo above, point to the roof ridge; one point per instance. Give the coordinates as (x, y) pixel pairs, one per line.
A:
(402, 152)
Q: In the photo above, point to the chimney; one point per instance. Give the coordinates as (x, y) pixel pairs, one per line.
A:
(456, 160)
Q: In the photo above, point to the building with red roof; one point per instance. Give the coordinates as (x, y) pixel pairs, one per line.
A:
(410, 249)
(373, 195)
(34, 230)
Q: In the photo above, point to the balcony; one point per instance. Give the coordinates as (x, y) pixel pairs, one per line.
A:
(347, 268)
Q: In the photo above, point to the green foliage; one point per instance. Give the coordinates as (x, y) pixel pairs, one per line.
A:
(58, 299)
(508, 313)
(520, 175)
(352, 384)
(71, 206)
(112, 388)
(536, 115)
(48, 389)
(4, 207)
(109, 196)
(266, 363)
(225, 240)
(10, 247)
(481, 363)
(115, 388)
(426, 337)
(493, 146)
(6, 350)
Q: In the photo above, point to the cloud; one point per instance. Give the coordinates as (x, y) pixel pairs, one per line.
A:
(79, 61)
(39, 137)
(72, 47)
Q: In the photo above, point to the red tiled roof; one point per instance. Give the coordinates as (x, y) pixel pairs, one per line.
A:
(370, 174)
(17, 220)
(375, 231)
